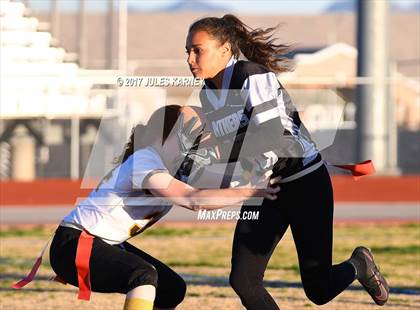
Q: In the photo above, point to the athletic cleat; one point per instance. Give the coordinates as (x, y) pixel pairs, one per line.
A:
(369, 275)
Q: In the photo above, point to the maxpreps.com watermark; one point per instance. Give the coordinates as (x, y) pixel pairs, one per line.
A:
(158, 81)
(226, 215)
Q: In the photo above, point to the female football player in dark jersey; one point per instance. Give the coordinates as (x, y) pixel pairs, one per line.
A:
(252, 116)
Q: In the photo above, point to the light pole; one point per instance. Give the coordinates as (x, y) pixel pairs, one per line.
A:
(375, 114)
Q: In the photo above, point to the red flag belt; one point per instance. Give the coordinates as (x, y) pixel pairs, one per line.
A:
(357, 170)
(84, 249)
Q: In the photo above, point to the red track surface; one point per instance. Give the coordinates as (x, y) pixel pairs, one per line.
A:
(65, 192)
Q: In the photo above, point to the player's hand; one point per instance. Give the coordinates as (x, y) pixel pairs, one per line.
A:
(265, 162)
(264, 185)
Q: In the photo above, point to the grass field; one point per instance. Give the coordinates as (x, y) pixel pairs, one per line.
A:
(201, 254)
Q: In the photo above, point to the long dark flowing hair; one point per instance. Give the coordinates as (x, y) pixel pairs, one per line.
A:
(256, 45)
(144, 135)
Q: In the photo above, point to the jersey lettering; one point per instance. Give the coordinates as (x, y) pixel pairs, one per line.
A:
(230, 123)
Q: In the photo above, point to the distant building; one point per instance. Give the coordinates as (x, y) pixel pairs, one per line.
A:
(335, 67)
(158, 38)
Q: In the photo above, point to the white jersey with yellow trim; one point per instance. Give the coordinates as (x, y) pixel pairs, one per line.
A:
(121, 207)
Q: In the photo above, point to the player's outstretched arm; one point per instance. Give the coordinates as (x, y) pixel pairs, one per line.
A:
(164, 185)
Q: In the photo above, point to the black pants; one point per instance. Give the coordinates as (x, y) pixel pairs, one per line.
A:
(306, 205)
(116, 268)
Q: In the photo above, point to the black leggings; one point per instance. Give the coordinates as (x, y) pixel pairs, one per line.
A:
(306, 205)
(116, 268)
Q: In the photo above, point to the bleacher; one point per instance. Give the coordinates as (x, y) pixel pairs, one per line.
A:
(36, 78)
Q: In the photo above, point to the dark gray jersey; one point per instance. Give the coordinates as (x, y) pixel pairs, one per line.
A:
(254, 114)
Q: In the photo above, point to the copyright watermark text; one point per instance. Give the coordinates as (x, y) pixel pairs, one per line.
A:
(158, 81)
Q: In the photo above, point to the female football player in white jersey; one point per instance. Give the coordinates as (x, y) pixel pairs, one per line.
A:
(134, 195)
(253, 118)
